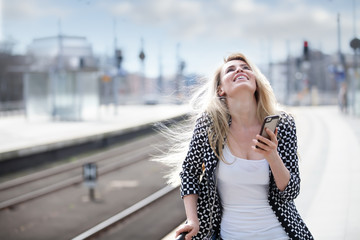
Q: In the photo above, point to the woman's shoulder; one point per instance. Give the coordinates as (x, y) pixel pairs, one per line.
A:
(203, 120)
(285, 116)
(286, 121)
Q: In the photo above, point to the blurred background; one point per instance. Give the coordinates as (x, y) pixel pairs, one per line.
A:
(84, 82)
(142, 51)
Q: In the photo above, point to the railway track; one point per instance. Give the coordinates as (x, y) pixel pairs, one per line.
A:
(101, 230)
(20, 190)
(132, 200)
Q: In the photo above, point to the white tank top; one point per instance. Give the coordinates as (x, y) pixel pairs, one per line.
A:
(243, 187)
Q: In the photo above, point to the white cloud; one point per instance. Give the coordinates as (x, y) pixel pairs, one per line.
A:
(154, 13)
(226, 20)
(245, 6)
(267, 30)
(32, 9)
(203, 27)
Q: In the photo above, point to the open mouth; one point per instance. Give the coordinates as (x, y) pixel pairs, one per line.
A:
(240, 77)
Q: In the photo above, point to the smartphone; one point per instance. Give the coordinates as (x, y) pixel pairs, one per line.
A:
(270, 122)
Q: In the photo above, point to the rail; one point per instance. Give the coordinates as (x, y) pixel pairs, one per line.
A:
(121, 216)
(71, 173)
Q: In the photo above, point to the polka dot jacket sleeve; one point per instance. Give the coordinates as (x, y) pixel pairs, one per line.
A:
(287, 149)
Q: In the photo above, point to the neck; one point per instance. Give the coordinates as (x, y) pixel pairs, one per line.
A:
(243, 111)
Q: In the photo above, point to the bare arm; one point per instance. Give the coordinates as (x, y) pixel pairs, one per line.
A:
(192, 224)
(280, 172)
(269, 150)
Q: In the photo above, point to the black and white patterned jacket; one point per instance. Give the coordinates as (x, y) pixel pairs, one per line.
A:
(195, 181)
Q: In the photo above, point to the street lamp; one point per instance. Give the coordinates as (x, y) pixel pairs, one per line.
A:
(142, 59)
(354, 44)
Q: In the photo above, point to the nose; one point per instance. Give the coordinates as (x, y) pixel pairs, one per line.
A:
(239, 69)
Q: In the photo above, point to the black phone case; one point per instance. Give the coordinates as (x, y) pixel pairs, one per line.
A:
(270, 122)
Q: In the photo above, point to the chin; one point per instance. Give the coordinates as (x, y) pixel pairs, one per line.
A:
(244, 85)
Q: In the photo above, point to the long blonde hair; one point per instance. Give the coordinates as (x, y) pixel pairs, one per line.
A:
(206, 99)
(218, 111)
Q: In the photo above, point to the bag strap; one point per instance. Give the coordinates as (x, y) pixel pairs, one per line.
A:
(212, 206)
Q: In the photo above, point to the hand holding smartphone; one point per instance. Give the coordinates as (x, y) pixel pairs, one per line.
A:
(270, 122)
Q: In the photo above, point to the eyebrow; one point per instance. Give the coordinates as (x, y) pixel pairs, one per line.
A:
(241, 65)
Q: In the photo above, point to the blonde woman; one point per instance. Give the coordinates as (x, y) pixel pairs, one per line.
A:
(232, 189)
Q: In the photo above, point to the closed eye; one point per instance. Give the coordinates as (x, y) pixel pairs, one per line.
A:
(229, 70)
(245, 67)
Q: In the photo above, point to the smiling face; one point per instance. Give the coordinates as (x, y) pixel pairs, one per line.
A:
(236, 75)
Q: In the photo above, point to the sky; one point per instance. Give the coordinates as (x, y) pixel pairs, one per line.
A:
(199, 32)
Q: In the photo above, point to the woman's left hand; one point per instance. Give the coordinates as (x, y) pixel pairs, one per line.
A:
(267, 147)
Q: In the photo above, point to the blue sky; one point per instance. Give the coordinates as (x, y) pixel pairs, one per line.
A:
(207, 30)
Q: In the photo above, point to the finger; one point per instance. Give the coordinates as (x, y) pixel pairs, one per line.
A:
(269, 143)
(177, 233)
(261, 146)
(183, 228)
(271, 134)
(177, 236)
(192, 233)
(263, 139)
(259, 150)
(189, 236)
(273, 137)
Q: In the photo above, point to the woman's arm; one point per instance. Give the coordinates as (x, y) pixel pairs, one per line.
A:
(268, 148)
(280, 172)
(190, 177)
(287, 152)
(192, 223)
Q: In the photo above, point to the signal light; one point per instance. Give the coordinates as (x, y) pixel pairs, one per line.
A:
(306, 51)
(118, 57)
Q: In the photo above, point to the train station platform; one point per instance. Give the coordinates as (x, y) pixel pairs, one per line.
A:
(20, 137)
